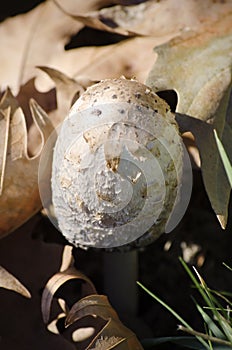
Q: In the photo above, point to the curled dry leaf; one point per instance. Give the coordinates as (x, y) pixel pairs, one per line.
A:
(114, 334)
(8, 281)
(198, 67)
(67, 258)
(67, 91)
(19, 196)
(95, 324)
(56, 282)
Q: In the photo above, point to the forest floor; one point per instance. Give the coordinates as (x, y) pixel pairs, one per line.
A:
(33, 254)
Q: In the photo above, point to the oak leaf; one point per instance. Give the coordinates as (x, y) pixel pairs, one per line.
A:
(19, 192)
(198, 67)
(19, 196)
(8, 281)
(40, 37)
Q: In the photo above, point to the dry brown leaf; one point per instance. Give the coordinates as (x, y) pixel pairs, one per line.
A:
(114, 334)
(39, 39)
(67, 258)
(56, 281)
(19, 195)
(157, 19)
(19, 198)
(67, 91)
(41, 35)
(198, 67)
(94, 20)
(8, 281)
(94, 323)
(4, 133)
(214, 176)
(47, 100)
(32, 261)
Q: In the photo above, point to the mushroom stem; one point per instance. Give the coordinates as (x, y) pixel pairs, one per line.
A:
(120, 276)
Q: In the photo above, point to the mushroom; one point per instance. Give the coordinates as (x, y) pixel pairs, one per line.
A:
(116, 178)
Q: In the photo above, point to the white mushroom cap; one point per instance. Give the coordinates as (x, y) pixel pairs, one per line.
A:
(117, 166)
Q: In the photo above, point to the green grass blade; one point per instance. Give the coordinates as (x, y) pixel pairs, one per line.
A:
(178, 317)
(226, 328)
(222, 295)
(202, 288)
(227, 266)
(210, 323)
(212, 302)
(224, 157)
(209, 299)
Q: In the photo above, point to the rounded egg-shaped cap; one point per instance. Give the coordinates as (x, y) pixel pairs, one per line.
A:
(117, 167)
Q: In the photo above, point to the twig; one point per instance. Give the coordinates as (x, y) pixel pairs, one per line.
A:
(204, 336)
